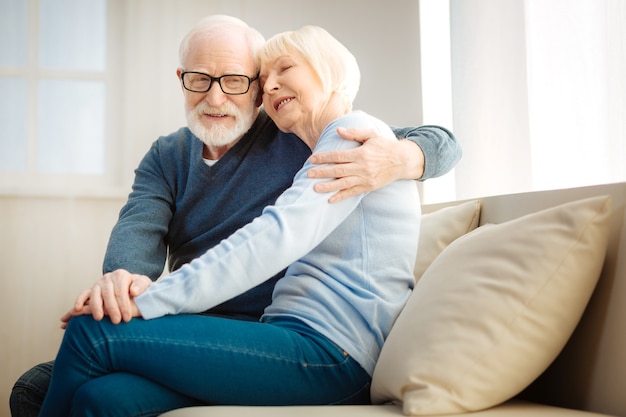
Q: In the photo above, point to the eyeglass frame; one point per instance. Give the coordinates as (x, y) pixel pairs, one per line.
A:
(219, 81)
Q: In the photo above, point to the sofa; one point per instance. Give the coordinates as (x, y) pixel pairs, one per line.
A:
(519, 309)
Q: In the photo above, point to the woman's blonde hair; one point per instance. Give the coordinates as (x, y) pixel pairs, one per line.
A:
(333, 63)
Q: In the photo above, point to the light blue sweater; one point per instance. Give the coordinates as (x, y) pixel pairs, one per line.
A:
(350, 264)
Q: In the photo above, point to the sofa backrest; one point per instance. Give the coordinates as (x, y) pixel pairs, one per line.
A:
(590, 372)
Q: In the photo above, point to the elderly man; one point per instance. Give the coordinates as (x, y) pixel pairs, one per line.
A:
(198, 185)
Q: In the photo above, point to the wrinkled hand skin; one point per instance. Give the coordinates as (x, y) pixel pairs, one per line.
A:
(112, 296)
(374, 164)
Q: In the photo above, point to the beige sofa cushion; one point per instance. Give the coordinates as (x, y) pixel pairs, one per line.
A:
(493, 310)
(440, 228)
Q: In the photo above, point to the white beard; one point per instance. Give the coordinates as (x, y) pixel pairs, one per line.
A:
(217, 135)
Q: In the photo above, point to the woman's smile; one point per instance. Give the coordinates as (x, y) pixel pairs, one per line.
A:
(281, 102)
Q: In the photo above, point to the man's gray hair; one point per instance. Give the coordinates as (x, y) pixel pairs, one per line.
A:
(219, 24)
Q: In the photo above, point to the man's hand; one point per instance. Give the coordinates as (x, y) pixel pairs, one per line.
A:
(111, 295)
(374, 164)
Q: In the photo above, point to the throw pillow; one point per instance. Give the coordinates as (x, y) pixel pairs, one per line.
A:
(493, 310)
(440, 228)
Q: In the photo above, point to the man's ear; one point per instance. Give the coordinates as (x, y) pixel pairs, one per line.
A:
(259, 98)
(179, 71)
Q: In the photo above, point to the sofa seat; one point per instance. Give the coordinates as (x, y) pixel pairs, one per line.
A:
(513, 408)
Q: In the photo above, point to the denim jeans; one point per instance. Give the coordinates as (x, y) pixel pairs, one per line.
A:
(29, 391)
(147, 367)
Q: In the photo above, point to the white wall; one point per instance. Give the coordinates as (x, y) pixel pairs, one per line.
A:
(50, 249)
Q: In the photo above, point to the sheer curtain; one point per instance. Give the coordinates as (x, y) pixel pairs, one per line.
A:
(538, 93)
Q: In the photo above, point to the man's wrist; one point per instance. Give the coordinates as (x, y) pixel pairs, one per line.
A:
(413, 160)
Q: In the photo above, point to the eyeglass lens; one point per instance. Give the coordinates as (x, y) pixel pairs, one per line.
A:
(230, 84)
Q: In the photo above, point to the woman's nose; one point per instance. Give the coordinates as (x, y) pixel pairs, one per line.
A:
(270, 84)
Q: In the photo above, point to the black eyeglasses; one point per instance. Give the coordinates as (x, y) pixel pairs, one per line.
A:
(199, 82)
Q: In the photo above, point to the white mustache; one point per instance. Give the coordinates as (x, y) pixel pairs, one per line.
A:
(225, 110)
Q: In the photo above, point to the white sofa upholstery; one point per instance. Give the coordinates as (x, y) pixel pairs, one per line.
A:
(588, 375)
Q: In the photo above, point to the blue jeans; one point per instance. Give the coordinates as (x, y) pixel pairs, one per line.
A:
(147, 367)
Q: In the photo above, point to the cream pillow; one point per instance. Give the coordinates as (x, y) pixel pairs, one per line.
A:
(439, 228)
(493, 311)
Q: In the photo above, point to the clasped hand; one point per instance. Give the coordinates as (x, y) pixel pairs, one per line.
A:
(112, 296)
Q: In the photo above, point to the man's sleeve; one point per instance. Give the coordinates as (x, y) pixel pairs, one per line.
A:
(137, 241)
(441, 149)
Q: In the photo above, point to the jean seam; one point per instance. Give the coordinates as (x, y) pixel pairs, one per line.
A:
(284, 359)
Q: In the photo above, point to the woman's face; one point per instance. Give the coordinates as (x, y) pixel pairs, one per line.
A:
(292, 93)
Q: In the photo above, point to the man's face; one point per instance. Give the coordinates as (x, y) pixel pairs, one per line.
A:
(217, 118)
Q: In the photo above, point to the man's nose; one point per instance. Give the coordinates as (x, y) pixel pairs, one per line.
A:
(215, 96)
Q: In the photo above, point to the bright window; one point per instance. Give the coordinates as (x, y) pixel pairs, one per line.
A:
(54, 74)
(436, 85)
(71, 126)
(538, 92)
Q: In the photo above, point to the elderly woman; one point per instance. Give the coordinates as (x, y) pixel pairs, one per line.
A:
(350, 272)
